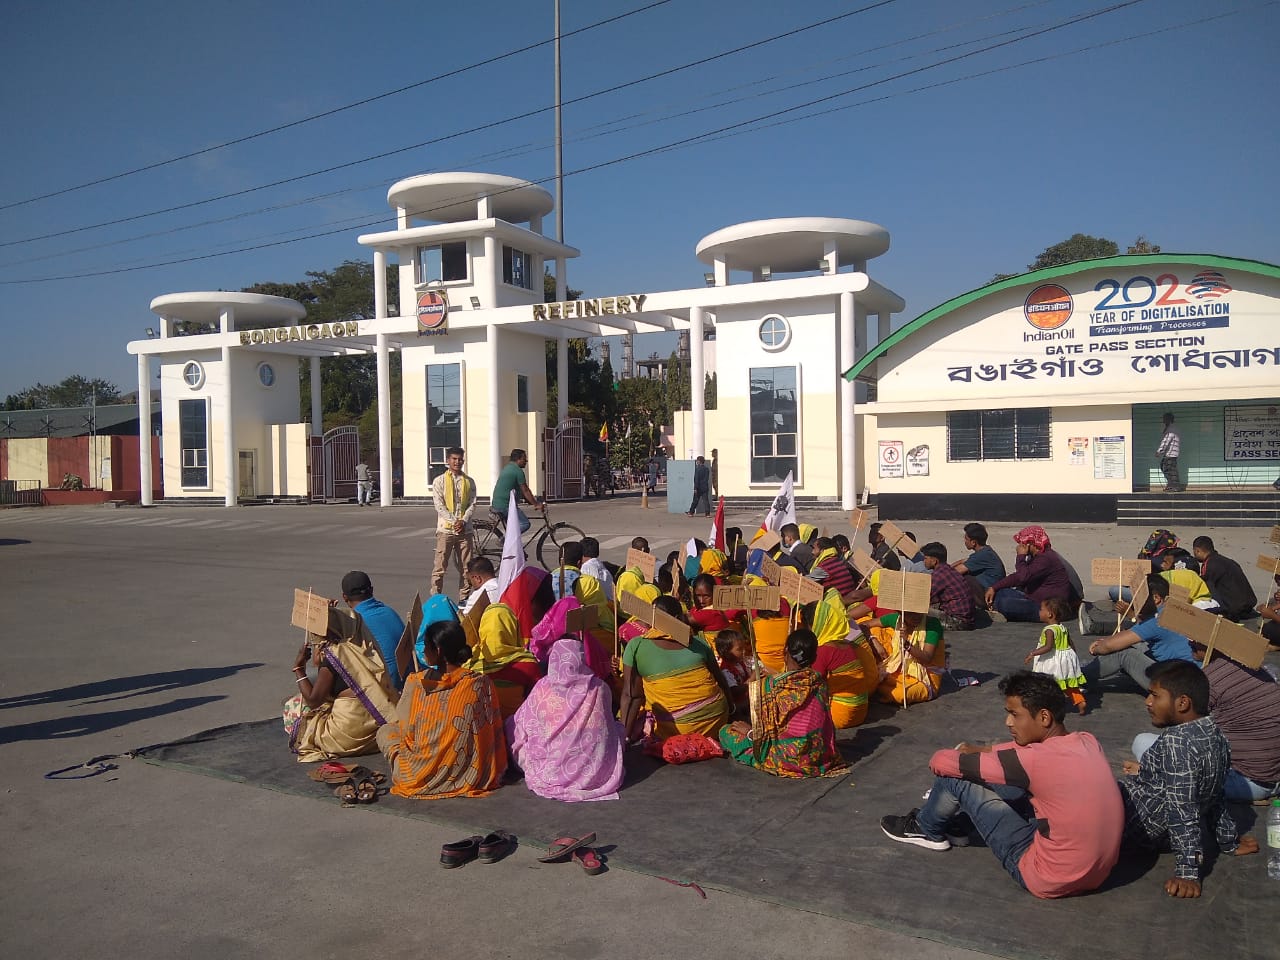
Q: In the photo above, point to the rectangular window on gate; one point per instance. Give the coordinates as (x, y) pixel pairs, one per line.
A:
(444, 414)
(193, 431)
(775, 424)
(1022, 434)
(516, 267)
(443, 262)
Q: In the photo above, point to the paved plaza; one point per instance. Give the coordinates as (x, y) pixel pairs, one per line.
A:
(127, 627)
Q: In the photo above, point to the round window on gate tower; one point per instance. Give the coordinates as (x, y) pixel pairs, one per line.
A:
(775, 333)
(193, 374)
(266, 374)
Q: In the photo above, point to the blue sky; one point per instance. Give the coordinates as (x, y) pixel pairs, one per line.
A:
(1169, 134)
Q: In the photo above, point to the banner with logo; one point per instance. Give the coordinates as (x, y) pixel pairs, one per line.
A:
(433, 313)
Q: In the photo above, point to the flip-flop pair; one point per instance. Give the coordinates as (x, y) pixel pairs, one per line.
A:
(360, 786)
(577, 849)
(335, 773)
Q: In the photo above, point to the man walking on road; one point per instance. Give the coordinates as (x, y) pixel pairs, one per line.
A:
(454, 496)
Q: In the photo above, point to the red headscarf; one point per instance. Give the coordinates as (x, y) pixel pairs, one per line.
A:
(1035, 536)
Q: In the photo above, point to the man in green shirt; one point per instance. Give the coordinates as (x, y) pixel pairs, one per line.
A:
(510, 481)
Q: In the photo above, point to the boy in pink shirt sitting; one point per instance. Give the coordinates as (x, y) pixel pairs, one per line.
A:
(1046, 804)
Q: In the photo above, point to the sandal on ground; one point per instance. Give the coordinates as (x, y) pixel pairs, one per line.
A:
(562, 847)
(335, 773)
(587, 858)
(348, 792)
(462, 851)
(496, 846)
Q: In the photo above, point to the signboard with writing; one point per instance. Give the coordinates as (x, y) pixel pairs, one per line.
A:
(789, 582)
(764, 598)
(1109, 459)
(1113, 571)
(897, 539)
(918, 461)
(863, 563)
(633, 606)
(892, 456)
(771, 572)
(647, 563)
(810, 591)
(1215, 633)
(729, 598)
(677, 630)
(310, 612)
(1251, 433)
(1269, 564)
(904, 591)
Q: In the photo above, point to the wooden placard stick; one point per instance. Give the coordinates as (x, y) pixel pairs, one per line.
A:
(1138, 595)
(897, 539)
(647, 563)
(560, 571)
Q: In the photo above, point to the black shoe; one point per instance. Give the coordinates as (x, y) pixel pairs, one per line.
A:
(463, 851)
(906, 830)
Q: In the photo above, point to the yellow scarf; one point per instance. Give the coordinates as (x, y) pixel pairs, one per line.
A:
(468, 493)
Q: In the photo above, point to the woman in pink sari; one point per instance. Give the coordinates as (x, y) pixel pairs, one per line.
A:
(564, 736)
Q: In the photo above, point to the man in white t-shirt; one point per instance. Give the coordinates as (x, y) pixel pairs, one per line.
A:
(593, 566)
(482, 579)
(1169, 449)
(364, 484)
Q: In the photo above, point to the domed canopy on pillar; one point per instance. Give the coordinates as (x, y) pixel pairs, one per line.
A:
(207, 307)
(793, 244)
(452, 197)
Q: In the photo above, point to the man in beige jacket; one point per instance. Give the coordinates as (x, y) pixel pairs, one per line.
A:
(454, 496)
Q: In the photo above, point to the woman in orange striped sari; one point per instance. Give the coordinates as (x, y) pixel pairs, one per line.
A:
(447, 739)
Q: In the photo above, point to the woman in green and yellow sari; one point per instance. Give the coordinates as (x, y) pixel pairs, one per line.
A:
(792, 735)
(681, 686)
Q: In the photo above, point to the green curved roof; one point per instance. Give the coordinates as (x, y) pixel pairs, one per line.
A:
(1053, 273)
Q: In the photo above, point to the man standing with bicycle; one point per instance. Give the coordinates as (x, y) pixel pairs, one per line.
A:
(510, 482)
(454, 495)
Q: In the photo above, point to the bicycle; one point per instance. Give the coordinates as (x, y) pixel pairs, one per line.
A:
(490, 533)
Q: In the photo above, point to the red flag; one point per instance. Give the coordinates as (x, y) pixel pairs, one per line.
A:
(604, 433)
(717, 528)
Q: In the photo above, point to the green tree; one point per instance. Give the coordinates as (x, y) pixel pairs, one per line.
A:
(1143, 245)
(1078, 246)
(74, 391)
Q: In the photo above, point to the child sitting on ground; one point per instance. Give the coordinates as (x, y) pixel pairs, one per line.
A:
(1056, 657)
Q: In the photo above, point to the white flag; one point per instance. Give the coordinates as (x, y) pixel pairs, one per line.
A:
(512, 549)
(783, 509)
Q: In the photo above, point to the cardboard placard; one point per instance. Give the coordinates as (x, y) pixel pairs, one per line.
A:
(1140, 597)
(1269, 564)
(647, 563)
(1113, 571)
(810, 591)
(908, 592)
(764, 598)
(789, 582)
(863, 563)
(729, 598)
(1217, 634)
(633, 606)
(677, 630)
(1178, 592)
(766, 541)
(859, 519)
(581, 619)
(310, 612)
(897, 539)
(412, 624)
(770, 571)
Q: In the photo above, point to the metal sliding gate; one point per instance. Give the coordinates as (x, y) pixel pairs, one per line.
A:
(562, 455)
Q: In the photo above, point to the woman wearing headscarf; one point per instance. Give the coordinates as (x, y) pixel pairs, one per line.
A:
(714, 564)
(845, 660)
(793, 735)
(1038, 574)
(911, 653)
(344, 698)
(502, 657)
(564, 736)
(629, 580)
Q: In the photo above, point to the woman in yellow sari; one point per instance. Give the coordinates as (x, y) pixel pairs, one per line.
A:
(681, 686)
(845, 660)
(714, 563)
(912, 669)
(501, 656)
(447, 738)
(633, 628)
(337, 713)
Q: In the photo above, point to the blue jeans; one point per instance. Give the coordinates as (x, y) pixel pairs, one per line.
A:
(1238, 788)
(524, 521)
(1001, 814)
(1016, 606)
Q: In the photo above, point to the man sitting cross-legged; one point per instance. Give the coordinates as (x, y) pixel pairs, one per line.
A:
(1046, 804)
(1173, 791)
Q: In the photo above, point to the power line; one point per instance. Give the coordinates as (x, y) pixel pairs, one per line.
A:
(331, 112)
(677, 144)
(456, 134)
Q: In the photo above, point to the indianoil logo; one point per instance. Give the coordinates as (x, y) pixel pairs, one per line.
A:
(433, 311)
(1048, 307)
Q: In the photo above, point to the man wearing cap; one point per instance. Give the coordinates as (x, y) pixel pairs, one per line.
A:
(454, 496)
(383, 622)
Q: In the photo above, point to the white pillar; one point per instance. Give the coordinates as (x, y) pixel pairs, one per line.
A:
(562, 281)
(697, 374)
(495, 412)
(848, 425)
(229, 454)
(721, 268)
(562, 379)
(380, 284)
(484, 207)
(317, 406)
(144, 427)
(384, 421)
(831, 260)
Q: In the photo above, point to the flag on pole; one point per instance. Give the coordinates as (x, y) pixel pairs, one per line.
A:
(604, 433)
(716, 539)
(512, 549)
(783, 509)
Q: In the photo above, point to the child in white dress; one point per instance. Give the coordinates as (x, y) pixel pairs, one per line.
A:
(1055, 656)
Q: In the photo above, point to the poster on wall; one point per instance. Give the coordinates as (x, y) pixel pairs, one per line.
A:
(918, 461)
(891, 457)
(1108, 458)
(1077, 450)
(1251, 433)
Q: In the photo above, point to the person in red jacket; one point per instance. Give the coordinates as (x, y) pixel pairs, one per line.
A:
(1047, 804)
